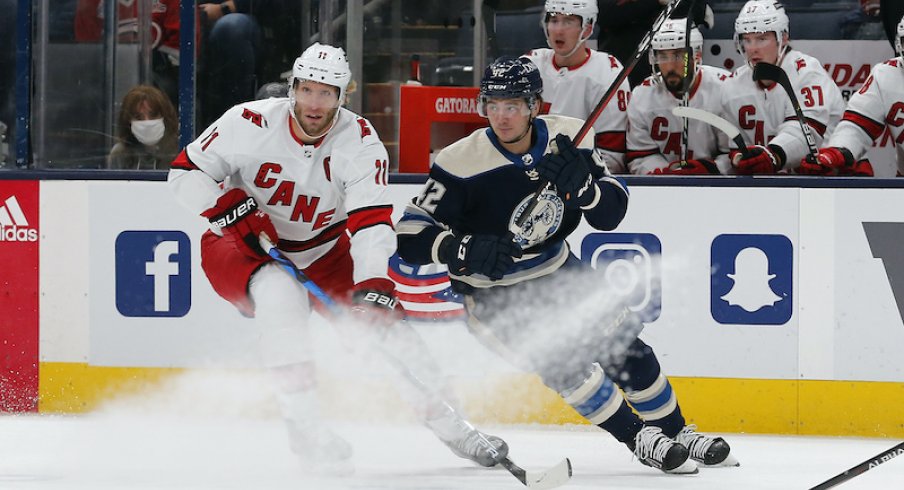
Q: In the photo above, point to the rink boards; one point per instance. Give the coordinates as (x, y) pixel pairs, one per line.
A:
(772, 309)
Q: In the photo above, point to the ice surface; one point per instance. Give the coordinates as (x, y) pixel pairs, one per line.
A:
(222, 432)
(190, 452)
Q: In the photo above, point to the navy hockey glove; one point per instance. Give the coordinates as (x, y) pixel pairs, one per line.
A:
(759, 160)
(374, 302)
(490, 255)
(569, 171)
(237, 215)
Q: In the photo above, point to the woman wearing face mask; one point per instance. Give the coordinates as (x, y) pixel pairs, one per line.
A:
(147, 130)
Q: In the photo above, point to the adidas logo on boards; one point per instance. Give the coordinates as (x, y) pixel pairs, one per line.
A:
(13, 225)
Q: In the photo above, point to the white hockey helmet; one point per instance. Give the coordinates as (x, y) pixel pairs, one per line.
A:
(899, 39)
(762, 16)
(585, 9)
(321, 63)
(671, 35)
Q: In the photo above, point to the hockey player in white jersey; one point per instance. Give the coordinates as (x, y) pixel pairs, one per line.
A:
(575, 77)
(655, 142)
(478, 187)
(762, 110)
(878, 104)
(312, 177)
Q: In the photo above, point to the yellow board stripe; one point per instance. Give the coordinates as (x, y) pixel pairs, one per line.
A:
(761, 406)
(78, 387)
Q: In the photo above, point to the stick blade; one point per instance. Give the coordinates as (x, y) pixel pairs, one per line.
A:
(767, 71)
(718, 122)
(553, 477)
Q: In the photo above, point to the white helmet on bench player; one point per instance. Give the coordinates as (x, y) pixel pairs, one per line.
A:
(321, 63)
(585, 9)
(762, 16)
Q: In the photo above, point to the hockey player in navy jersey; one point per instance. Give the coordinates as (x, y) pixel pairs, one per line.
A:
(301, 170)
(476, 191)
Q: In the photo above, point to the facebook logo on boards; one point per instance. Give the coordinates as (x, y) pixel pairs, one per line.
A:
(153, 273)
(630, 264)
(751, 279)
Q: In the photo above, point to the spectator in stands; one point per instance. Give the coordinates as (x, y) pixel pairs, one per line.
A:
(624, 23)
(863, 22)
(230, 54)
(233, 63)
(765, 115)
(89, 27)
(147, 129)
(660, 142)
(7, 79)
(89, 20)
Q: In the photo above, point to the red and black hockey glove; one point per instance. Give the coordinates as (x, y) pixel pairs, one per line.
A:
(374, 302)
(759, 160)
(237, 215)
(490, 255)
(569, 171)
(702, 166)
(834, 157)
(860, 168)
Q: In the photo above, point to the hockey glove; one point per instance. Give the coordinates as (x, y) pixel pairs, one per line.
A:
(809, 168)
(237, 215)
(374, 302)
(693, 167)
(490, 255)
(569, 171)
(834, 157)
(759, 160)
(860, 168)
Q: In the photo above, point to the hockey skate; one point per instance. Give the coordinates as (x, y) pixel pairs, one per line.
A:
(656, 450)
(706, 450)
(320, 450)
(466, 441)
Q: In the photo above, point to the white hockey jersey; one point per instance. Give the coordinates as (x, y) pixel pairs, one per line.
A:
(767, 116)
(312, 192)
(575, 91)
(654, 133)
(878, 103)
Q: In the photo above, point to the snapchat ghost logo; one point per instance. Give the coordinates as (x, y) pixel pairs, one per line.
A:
(751, 279)
(751, 289)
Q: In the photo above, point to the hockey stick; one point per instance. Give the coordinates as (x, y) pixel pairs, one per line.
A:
(518, 226)
(768, 71)
(715, 121)
(540, 480)
(861, 468)
(685, 82)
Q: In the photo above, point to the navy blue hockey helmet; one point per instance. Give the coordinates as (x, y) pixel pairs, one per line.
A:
(509, 78)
